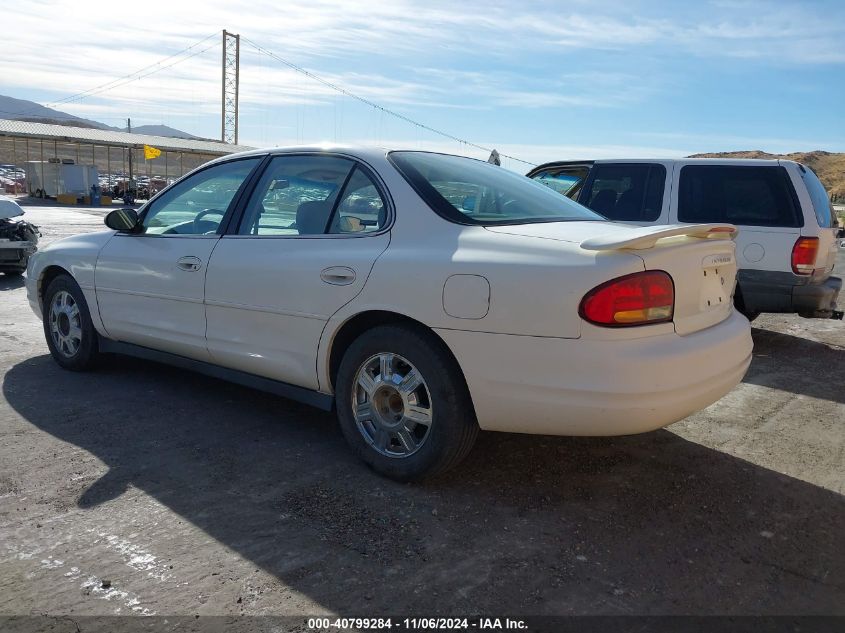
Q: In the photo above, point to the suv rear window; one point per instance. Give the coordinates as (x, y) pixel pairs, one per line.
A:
(818, 194)
(738, 194)
(625, 192)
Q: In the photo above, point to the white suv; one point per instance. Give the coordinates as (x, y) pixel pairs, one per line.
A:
(786, 247)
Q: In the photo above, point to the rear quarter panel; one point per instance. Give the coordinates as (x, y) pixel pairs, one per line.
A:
(535, 284)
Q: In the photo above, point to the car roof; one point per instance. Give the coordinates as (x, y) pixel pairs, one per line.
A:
(364, 153)
(667, 161)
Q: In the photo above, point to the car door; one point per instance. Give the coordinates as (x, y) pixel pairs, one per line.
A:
(305, 244)
(150, 283)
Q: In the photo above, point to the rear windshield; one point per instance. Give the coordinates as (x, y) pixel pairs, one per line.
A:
(469, 191)
(821, 201)
(626, 192)
(747, 195)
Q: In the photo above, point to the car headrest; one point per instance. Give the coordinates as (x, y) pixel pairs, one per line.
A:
(604, 201)
(312, 217)
(628, 205)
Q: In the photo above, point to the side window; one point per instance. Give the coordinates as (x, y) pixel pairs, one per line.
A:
(361, 208)
(626, 192)
(821, 201)
(753, 196)
(564, 180)
(295, 196)
(196, 205)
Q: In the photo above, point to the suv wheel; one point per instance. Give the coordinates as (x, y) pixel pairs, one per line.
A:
(739, 304)
(70, 333)
(403, 405)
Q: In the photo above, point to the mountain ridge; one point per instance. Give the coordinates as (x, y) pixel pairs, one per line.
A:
(25, 110)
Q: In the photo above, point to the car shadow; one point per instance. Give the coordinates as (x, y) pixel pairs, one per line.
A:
(11, 282)
(649, 524)
(797, 365)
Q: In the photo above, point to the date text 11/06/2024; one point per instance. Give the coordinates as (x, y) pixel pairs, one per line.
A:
(417, 624)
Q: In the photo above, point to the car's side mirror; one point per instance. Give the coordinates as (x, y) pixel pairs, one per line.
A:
(123, 220)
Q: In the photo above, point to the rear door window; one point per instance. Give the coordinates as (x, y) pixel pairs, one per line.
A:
(625, 192)
(737, 194)
(818, 194)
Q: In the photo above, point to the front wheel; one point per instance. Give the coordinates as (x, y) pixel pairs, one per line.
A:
(70, 333)
(403, 405)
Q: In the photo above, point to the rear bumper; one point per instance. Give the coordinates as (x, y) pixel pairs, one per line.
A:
(817, 299)
(766, 291)
(527, 384)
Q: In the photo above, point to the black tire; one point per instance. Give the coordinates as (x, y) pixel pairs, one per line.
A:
(453, 427)
(739, 304)
(84, 357)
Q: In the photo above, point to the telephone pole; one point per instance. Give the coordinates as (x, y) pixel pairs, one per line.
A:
(231, 80)
(129, 147)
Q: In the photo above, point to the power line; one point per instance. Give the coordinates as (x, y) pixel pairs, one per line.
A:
(134, 76)
(372, 104)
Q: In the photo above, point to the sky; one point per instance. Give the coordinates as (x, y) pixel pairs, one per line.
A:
(538, 80)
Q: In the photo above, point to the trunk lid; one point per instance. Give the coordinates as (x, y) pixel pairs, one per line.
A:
(700, 258)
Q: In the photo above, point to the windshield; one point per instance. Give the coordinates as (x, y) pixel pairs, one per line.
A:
(469, 191)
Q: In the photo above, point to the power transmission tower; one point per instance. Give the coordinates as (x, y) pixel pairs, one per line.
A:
(231, 80)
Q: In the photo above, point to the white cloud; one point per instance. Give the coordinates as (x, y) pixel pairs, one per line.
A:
(402, 54)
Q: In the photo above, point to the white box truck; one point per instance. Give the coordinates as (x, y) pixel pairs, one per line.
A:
(49, 179)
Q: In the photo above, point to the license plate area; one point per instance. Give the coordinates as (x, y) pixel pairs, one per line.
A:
(718, 274)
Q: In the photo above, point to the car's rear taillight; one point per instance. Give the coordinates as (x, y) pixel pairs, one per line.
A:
(638, 299)
(804, 255)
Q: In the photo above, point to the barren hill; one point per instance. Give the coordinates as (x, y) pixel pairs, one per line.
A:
(829, 166)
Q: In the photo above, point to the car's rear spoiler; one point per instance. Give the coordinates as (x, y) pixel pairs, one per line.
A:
(647, 236)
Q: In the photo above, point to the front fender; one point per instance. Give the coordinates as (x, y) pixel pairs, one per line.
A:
(76, 255)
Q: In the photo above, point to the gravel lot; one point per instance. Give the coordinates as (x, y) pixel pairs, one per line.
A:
(187, 496)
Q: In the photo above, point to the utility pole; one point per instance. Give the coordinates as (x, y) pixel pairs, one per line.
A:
(129, 148)
(230, 87)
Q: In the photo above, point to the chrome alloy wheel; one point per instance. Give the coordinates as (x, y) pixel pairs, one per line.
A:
(392, 405)
(65, 324)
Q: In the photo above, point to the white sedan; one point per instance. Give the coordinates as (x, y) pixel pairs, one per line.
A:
(422, 295)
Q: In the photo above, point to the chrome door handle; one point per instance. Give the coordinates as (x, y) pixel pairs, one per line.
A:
(189, 263)
(338, 275)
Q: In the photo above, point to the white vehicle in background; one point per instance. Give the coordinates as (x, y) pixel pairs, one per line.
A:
(18, 239)
(788, 231)
(421, 295)
(48, 179)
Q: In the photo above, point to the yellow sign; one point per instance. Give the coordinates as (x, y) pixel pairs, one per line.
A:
(151, 152)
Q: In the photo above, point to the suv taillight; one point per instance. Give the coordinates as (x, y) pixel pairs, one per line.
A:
(804, 255)
(637, 299)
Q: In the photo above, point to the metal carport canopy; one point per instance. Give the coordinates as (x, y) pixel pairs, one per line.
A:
(88, 136)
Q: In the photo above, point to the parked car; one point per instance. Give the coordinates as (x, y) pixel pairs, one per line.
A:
(421, 295)
(18, 239)
(786, 247)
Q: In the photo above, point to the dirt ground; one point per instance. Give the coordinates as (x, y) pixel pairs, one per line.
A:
(141, 489)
